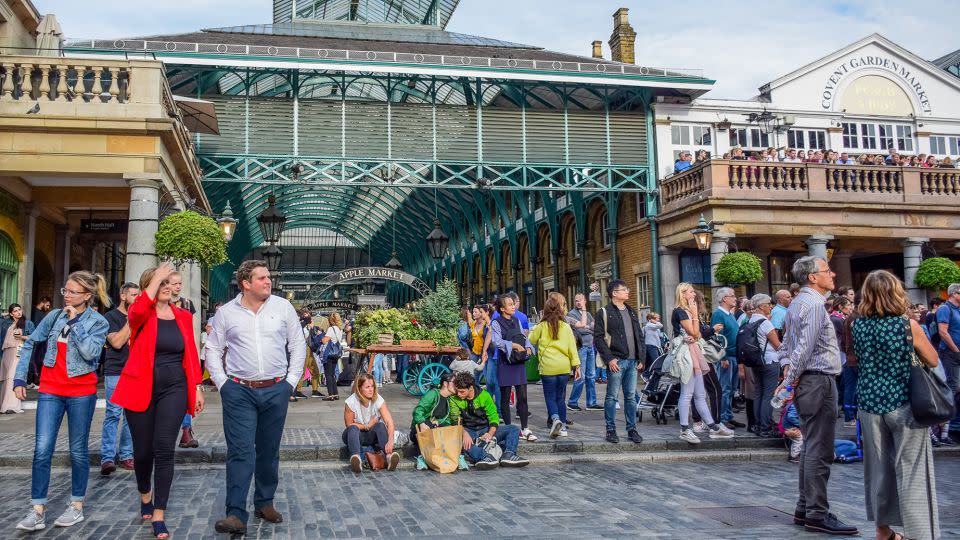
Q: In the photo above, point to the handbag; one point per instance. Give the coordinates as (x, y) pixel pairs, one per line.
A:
(714, 349)
(441, 447)
(376, 460)
(931, 400)
(491, 447)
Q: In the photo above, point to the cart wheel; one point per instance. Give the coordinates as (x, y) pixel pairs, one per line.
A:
(430, 376)
(410, 377)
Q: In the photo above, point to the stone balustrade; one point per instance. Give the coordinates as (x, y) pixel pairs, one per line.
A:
(747, 181)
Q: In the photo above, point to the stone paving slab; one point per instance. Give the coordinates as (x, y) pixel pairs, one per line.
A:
(582, 500)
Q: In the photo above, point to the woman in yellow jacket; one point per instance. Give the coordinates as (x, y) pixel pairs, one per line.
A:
(557, 350)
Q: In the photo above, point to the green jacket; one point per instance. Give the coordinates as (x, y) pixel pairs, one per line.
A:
(477, 413)
(426, 410)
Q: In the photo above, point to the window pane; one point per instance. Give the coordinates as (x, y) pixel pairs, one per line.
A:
(675, 134)
(954, 146)
(937, 145)
(817, 140)
(849, 135)
(868, 137)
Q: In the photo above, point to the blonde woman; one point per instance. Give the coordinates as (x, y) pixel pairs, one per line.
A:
(686, 322)
(368, 423)
(557, 350)
(68, 384)
(333, 334)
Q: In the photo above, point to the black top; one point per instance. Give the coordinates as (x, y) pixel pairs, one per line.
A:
(618, 347)
(115, 359)
(679, 314)
(169, 343)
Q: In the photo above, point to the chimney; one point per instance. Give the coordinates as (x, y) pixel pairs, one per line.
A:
(623, 38)
(598, 49)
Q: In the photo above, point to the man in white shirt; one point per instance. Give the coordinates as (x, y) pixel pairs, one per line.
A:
(791, 156)
(255, 356)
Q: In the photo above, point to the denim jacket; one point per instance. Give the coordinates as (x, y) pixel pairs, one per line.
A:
(84, 344)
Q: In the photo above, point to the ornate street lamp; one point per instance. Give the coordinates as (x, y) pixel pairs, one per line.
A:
(437, 240)
(394, 262)
(272, 254)
(271, 221)
(227, 222)
(703, 234)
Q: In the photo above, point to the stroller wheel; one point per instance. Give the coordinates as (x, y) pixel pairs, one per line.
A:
(639, 415)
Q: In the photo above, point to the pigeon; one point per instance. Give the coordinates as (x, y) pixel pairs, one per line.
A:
(35, 109)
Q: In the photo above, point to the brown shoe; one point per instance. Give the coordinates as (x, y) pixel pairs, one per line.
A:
(107, 468)
(127, 464)
(232, 525)
(187, 440)
(269, 513)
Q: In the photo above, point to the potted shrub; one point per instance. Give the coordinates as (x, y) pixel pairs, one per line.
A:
(937, 273)
(739, 268)
(188, 237)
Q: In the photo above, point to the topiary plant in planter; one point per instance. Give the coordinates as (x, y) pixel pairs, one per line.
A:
(189, 237)
(937, 273)
(739, 267)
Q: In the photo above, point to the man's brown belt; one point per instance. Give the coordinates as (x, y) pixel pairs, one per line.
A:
(266, 383)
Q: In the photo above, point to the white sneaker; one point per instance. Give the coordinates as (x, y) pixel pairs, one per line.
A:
(563, 431)
(71, 516)
(689, 436)
(555, 428)
(33, 522)
(722, 432)
(699, 427)
(528, 435)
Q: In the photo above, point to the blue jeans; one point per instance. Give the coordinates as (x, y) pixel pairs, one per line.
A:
(626, 379)
(111, 419)
(849, 375)
(253, 421)
(493, 382)
(554, 392)
(729, 381)
(403, 360)
(588, 368)
(50, 409)
(187, 421)
(508, 437)
(378, 368)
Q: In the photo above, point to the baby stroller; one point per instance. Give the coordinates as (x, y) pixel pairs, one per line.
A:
(661, 394)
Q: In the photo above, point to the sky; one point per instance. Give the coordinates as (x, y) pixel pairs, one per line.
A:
(741, 44)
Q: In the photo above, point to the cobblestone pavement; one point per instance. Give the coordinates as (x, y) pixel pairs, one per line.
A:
(569, 501)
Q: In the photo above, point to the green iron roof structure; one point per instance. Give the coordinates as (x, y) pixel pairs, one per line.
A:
(387, 115)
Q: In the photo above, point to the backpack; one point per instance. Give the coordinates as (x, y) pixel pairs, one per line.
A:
(334, 349)
(515, 335)
(749, 351)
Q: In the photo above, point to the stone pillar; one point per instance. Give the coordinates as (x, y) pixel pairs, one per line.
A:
(763, 286)
(29, 247)
(61, 264)
(912, 255)
(840, 264)
(584, 284)
(817, 245)
(669, 279)
(719, 246)
(142, 230)
(612, 235)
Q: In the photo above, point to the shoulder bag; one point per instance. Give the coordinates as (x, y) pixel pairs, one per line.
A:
(931, 400)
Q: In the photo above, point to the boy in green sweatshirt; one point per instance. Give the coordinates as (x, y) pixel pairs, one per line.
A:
(475, 409)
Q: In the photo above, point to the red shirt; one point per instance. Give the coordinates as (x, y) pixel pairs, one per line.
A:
(56, 381)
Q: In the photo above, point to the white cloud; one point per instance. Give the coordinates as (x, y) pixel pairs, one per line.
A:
(740, 44)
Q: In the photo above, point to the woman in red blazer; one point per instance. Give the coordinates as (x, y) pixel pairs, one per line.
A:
(156, 387)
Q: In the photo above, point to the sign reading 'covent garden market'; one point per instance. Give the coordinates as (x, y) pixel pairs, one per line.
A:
(855, 63)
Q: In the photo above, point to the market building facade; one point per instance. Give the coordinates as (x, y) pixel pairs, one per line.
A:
(868, 97)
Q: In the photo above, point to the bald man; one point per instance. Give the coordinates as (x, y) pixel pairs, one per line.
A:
(779, 312)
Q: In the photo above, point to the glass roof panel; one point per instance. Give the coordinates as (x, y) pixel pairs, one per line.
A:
(425, 12)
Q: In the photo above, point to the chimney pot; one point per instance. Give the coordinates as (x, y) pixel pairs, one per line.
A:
(623, 39)
(598, 49)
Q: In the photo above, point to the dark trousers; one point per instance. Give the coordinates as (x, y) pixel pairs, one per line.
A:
(155, 430)
(253, 421)
(330, 376)
(523, 412)
(816, 400)
(355, 439)
(850, 375)
(711, 383)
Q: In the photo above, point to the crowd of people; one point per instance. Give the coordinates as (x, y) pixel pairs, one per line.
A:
(808, 352)
(685, 158)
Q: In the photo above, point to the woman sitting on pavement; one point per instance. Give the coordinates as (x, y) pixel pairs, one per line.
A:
(368, 423)
(558, 355)
(433, 411)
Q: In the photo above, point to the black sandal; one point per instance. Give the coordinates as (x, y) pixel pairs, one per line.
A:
(160, 529)
(146, 510)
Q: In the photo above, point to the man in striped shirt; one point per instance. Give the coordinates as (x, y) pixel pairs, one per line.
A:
(810, 346)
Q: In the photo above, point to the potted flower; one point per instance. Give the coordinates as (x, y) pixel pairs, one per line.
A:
(188, 237)
(937, 273)
(739, 268)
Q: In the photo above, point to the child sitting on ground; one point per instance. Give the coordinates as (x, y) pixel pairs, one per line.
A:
(790, 427)
(464, 364)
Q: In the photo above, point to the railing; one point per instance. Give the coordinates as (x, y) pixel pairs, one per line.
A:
(824, 183)
(63, 79)
(170, 47)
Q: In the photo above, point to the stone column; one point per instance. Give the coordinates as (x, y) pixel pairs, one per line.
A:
(142, 230)
(763, 286)
(840, 264)
(29, 246)
(719, 247)
(912, 255)
(817, 245)
(669, 279)
(61, 264)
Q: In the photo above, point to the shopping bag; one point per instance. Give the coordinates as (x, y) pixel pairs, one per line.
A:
(441, 447)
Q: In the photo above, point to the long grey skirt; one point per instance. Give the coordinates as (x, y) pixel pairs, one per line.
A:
(899, 482)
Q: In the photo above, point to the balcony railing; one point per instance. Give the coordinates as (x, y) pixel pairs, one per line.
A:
(813, 182)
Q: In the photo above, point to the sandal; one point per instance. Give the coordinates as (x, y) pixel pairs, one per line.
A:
(160, 529)
(146, 510)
